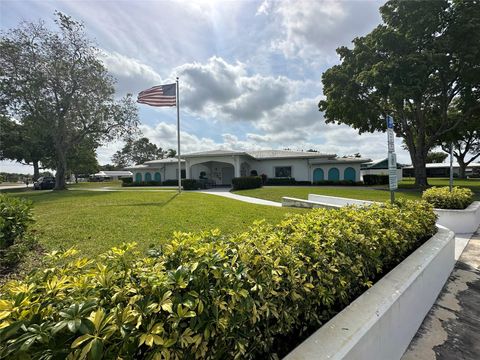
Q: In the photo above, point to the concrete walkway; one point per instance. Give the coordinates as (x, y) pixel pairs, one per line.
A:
(225, 192)
(451, 330)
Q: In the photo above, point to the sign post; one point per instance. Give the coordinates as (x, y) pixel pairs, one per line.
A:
(392, 160)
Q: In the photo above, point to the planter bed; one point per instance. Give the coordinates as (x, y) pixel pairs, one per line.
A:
(460, 221)
(381, 323)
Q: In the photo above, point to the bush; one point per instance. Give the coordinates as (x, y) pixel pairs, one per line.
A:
(247, 182)
(442, 198)
(190, 184)
(15, 216)
(338, 183)
(206, 295)
(280, 181)
(375, 179)
(171, 182)
(142, 183)
(126, 180)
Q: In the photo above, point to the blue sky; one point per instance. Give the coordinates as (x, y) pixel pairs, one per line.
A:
(250, 71)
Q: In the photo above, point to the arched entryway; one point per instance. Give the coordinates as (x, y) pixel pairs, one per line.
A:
(138, 177)
(148, 176)
(318, 175)
(349, 174)
(333, 174)
(213, 172)
(157, 177)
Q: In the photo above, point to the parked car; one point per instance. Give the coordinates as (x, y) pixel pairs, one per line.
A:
(44, 183)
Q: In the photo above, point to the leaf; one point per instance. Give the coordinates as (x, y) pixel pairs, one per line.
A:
(96, 351)
(80, 340)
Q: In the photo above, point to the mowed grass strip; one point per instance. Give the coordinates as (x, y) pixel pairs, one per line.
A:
(94, 221)
(406, 190)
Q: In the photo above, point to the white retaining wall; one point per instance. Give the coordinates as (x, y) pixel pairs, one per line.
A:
(380, 324)
(333, 200)
(460, 221)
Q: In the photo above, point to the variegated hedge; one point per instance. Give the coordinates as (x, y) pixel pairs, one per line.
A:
(208, 295)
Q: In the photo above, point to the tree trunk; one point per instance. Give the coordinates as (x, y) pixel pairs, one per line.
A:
(462, 169)
(36, 171)
(420, 171)
(61, 169)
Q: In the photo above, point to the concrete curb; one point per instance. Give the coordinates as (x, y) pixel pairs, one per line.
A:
(460, 221)
(380, 323)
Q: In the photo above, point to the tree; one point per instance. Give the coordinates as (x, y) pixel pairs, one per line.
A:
(137, 152)
(171, 153)
(27, 143)
(414, 66)
(436, 157)
(58, 79)
(82, 159)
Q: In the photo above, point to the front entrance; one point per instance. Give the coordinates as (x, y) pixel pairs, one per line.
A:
(228, 174)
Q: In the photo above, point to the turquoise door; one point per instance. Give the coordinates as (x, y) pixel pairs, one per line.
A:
(318, 175)
(148, 177)
(138, 177)
(333, 174)
(349, 174)
(158, 177)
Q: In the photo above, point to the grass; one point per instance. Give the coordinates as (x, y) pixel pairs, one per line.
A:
(95, 221)
(406, 190)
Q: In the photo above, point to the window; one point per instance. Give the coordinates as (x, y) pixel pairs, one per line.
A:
(184, 174)
(283, 171)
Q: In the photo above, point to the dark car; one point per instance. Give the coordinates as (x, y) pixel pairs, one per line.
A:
(44, 183)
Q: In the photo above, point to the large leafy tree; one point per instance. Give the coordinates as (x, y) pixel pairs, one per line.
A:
(436, 157)
(57, 78)
(27, 142)
(415, 66)
(137, 152)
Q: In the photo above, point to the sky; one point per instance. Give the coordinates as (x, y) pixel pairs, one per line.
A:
(250, 71)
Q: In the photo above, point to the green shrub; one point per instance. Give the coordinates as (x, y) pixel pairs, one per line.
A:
(15, 216)
(373, 179)
(171, 182)
(142, 183)
(280, 181)
(207, 295)
(190, 184)
(247, 182)
(442, 198)
(126, 180)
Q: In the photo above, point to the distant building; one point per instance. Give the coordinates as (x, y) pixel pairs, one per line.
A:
(379, 167)
(221, 166)
(443, 170)
(105, 175)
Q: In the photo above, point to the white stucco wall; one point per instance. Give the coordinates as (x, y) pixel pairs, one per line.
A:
(167, 171)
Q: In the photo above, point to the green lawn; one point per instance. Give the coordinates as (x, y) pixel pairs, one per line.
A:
(405, 191)
(95, 221)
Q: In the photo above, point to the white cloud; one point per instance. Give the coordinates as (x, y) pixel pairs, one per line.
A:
(316, 28)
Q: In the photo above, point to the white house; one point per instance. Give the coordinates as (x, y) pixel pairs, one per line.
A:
(221, 166)
(111, 175)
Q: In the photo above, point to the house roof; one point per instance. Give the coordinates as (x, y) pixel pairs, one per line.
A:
(261, 154)
(378, 164)
(164, 161)
(444, 165)
(286, 154)
(113, 173)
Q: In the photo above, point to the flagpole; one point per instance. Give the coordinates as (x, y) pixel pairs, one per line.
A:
(178, 141)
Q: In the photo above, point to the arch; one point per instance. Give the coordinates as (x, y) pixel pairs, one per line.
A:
(318, 175)
(138, 177)
(157, 177)
(349, 174)
(333, 174)
(148, 176)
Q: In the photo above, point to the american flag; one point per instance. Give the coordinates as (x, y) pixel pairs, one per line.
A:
(161, 95)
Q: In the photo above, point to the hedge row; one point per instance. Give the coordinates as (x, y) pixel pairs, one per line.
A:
(292, 181)
(375, 179)
(247, 182)
(15, 216)
(443, 198)
(208, 295)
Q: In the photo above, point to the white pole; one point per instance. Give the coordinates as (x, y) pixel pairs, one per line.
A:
(451, 167)
(178, 140)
